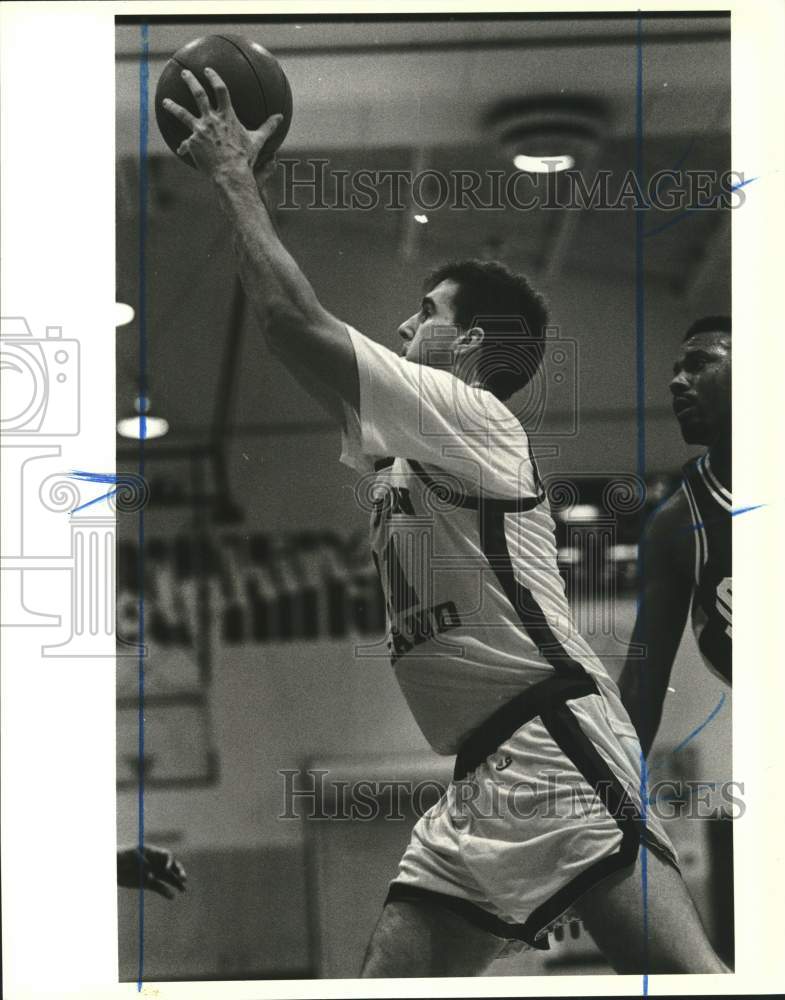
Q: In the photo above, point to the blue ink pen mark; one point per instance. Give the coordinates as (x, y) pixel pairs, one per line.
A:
(733, 513)
(691, 211)
(671, 222)
(743, 510)
(682, 158)
(94, 477)
(685, 154)
(639, 271)
(644, 856)
(90, 503)
(144, 80)
(640, 410)
(712, 715)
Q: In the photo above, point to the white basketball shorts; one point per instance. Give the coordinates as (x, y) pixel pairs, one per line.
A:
(545, 803)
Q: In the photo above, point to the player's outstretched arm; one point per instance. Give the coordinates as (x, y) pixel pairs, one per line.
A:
(662, 613)
(298, 329)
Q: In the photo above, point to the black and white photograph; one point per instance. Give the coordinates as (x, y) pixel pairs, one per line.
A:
(394, 593)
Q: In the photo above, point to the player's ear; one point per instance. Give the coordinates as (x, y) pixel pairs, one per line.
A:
(475, 336)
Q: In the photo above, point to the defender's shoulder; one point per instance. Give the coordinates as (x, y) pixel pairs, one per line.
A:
(672, 514)
(669, 534)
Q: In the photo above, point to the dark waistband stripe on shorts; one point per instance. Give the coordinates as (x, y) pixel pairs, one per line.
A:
(548, 700)
(517, 712)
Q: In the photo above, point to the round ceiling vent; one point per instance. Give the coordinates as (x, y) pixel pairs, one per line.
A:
(548, 132)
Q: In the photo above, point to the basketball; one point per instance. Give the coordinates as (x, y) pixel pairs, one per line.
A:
(257, 85)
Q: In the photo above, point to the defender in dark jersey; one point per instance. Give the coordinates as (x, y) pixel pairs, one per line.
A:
(467, 886)
(687, 544)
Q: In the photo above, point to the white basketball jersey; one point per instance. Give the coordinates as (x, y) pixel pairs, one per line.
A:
(463, 539)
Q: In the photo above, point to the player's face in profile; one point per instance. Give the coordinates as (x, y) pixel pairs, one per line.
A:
(429, 336)
(701, 388)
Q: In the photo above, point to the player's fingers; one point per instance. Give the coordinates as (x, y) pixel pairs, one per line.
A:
(266, 129)
(265, 166)
(174, 874)
(171, 879)
(263, 170)
(223, 101)
(179, 113)
(176, 882)
(184, 148)
(198, 91)
(160, 887)
(178, 870)
(158, 858)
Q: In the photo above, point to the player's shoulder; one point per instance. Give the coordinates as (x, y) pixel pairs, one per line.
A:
(473, 409)
(669, 533)
(671, 513)
(499, 414)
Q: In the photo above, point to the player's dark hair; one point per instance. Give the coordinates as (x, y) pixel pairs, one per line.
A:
(709, 324)
(511, 313)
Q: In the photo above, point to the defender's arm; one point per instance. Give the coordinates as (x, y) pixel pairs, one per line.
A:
(664, 604)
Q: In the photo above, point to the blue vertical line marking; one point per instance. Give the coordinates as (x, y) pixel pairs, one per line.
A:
(640, 356)
(144, 79)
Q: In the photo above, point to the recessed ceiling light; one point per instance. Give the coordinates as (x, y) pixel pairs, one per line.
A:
(142, 427)
(543, 164)
(583, 512)
(123, 313)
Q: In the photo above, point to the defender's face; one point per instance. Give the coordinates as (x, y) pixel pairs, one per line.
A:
(431, 336)
(701, 388)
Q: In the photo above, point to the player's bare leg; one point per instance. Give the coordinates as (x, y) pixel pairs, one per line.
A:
(662, 935)
(417, 939)
(420, 939)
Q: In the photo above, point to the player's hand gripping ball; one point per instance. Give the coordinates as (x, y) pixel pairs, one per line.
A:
(254, 88)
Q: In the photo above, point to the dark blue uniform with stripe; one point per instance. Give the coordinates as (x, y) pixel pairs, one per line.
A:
(712, 596)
